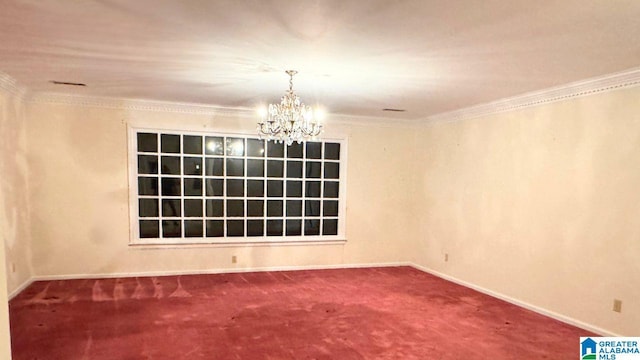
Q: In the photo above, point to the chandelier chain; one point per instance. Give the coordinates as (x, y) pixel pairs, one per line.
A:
(291, 73)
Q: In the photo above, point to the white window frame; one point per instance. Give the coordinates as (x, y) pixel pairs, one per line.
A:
(136, 240)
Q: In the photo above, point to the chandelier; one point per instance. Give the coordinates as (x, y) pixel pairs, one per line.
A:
(290, 120)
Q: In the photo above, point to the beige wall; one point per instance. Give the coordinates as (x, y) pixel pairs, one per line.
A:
(5, 338)
(14, 225)
(14, 200)
(540, 204)
(79, 192)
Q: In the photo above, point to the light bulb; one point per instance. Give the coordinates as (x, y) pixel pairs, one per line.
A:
(262, 111)
(319, 114)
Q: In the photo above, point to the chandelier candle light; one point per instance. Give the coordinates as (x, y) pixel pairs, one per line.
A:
(290, 120)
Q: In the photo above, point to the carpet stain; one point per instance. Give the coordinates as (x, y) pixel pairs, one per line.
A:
(179, 292)
(98, 294)
(158, 291)
(139, 292)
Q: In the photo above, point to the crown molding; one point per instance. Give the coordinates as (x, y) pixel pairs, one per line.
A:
(138, 104)
(193, 108)
(10, 86)
(615, 81)
(625, 79)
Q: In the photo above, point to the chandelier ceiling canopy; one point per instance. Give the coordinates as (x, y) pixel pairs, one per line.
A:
(290, 120)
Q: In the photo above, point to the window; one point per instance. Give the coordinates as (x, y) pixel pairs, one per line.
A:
(221, 188)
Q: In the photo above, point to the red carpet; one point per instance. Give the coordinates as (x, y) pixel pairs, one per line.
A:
(376, 313)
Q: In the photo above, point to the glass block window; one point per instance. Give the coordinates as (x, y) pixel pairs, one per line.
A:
(203, 187)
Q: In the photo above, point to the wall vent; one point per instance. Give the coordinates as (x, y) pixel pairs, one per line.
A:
(55, 82)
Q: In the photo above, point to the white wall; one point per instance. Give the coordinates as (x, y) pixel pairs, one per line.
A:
(79, 196)
(541, 205)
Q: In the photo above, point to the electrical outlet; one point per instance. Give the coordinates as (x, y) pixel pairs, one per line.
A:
(617, 305)
(446, 257)
(234, 259)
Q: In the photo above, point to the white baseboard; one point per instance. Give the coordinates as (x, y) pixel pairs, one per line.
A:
(21, 287)
(520, 303)
(213, 271)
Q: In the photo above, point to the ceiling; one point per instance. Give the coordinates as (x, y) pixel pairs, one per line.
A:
(354, 57)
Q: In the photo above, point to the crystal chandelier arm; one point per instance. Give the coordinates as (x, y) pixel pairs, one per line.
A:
(290, 120)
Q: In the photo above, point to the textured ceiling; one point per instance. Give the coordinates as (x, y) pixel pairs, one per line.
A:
(354, 57)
